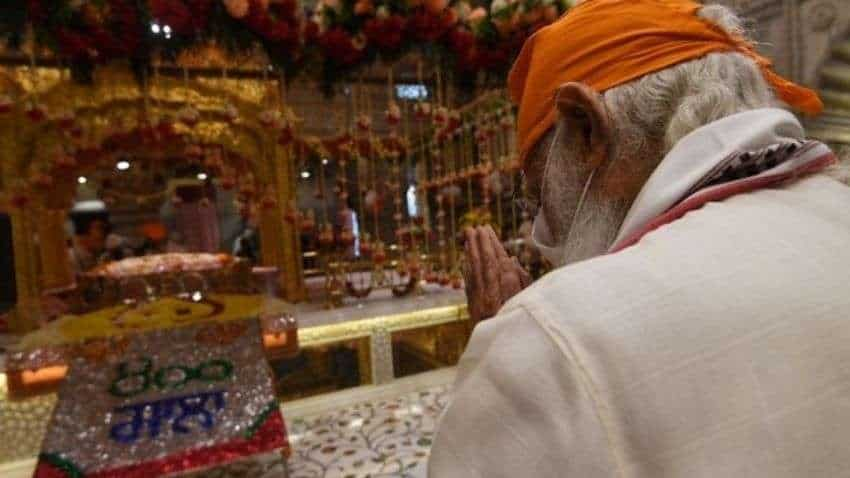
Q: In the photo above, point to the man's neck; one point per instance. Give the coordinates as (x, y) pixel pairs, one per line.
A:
(698, 153)
(595, 229)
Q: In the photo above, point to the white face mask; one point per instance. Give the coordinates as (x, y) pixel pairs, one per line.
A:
(541, 235)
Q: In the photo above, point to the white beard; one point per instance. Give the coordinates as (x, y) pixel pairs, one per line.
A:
(594, 231)
(596, 222)
(581, 231)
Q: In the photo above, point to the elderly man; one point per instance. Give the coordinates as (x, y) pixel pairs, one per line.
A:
(699, 324)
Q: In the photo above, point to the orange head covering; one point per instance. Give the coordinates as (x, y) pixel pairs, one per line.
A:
(606, 43)
(154, 231)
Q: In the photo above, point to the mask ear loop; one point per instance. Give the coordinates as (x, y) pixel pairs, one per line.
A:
(549, 153)
(553, 254)
(584, 191)
(579, 206)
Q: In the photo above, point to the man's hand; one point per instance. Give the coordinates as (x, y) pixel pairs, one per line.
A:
(491, 276)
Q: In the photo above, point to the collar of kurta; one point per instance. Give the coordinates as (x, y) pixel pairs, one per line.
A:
(734, 155)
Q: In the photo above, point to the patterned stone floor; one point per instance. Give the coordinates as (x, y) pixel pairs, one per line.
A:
(382, 438)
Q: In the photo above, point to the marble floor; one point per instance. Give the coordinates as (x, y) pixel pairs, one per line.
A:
(369, 433)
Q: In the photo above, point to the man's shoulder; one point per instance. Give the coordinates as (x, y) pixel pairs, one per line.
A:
(721, 248)
(577, 289)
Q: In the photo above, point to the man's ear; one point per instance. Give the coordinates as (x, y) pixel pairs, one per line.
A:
(583, 110)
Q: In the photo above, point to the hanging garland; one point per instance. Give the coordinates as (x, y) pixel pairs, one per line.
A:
(469, 36)
(337, 37)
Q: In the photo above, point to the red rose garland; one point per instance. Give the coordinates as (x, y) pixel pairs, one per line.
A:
(387, 34)
(343, 33)
(339, 46)
(184, 17)
(276, 24)
(428, 27)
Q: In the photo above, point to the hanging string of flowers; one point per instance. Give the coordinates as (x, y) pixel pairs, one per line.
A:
(335, 38)
(469, 36)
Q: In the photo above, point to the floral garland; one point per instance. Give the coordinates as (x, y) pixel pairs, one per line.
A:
(58, 173)
(87, 35)
(467, 36)
(337, 37)
(90, 32)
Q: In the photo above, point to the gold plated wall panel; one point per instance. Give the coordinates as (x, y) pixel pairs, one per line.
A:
(55, 267)
(115, 102)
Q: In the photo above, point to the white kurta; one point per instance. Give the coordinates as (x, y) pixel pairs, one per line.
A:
(717, 346)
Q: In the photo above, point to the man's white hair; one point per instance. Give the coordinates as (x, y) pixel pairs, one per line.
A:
(659, 109)
(667, 105)
(649, 116)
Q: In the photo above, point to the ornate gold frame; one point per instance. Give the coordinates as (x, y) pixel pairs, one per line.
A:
(115, 96)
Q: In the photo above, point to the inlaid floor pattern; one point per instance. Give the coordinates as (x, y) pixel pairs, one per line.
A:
(374, 439)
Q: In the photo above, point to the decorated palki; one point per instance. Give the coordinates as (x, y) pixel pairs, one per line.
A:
(188, 401)
(160, 263)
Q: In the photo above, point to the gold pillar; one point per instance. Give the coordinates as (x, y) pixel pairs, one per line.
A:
(279, 239)
(269, 236)
(291, 265)
(55, 266)
(27, 313)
